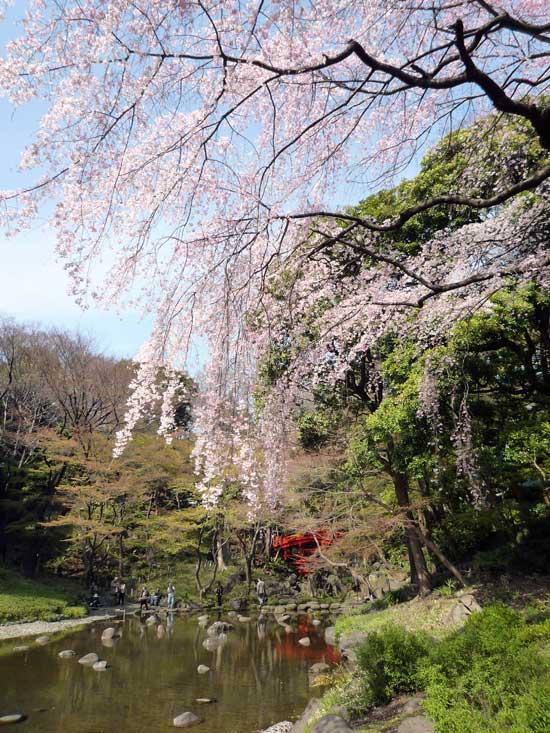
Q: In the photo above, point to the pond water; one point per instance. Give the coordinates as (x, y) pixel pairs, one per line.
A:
(258, 676)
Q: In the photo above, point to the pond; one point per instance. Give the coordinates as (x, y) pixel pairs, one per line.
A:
(257, 677)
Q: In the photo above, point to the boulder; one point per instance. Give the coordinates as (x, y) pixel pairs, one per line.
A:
(219, 627)
(316, 622)
(186, 719)
(100, 666)
(301, 724)
(330, 724)
(89, 659)
(416, 724)
(42, 640)
(108, 633)
(13, 718)
(284, 727)
(470, 602)
(304, 641)
(205, 700)
(330, 635)
(203, 669)
(67, 654)
(244, 619)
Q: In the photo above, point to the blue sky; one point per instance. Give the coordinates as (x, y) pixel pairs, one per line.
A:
(33, 284)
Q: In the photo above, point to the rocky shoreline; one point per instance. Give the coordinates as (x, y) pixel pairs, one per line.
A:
(34, 628)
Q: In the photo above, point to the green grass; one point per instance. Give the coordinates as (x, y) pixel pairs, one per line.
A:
(22, 599)
(430, 615)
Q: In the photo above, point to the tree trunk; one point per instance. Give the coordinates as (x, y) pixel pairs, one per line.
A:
(418, 569)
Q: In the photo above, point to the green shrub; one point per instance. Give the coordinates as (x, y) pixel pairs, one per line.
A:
(389, 661)
(490, 677)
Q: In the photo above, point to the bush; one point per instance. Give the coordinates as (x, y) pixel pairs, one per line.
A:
(389, 661)
(490, 677)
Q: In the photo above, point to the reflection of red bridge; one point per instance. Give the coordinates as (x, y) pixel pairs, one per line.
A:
(287, 646)
(298, 549)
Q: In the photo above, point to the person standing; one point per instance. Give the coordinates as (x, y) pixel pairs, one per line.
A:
(171, 593)
(144, 599)
(219, 593)
(121, 592)
(261, 592)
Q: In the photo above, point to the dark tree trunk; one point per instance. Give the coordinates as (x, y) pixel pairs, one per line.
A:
(419, 571)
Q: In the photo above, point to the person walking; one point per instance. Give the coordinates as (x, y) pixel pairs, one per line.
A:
(171, 593)
(121, 592)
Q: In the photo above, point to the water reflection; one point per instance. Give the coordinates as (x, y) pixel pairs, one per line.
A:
(258, 675)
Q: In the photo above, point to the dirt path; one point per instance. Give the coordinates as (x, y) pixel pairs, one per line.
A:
(33, 628)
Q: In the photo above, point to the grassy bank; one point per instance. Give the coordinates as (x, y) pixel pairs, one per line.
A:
(489, 675)
(22, 599)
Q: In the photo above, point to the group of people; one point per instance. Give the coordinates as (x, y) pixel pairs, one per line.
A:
(147, 599)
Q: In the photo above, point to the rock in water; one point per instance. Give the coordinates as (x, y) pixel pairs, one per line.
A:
(22, 648)
(205, 700)
(185, 719)
(42, 640)
(100, 666)
(109, 632)
(331, 724)
(418, 724)
(244, 619)
(304, 641)
(203, 669)
(284, 727)
(89, 659)
(14, 718)
(219, 627)
(66, 654)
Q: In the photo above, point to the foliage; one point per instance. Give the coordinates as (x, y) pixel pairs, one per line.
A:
(491, 676)
(389, 661)
(22, 599)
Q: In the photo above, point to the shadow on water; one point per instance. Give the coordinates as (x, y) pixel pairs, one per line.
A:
(257, 676)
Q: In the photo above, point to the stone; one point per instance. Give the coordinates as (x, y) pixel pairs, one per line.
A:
(470, 602)
(203, 618)
(22, 648)
(42, 640)
(185, 719)
(100, 666)
(283, 727)
(203, 669)
(13, 718)
(416, 724)
(219, 627)
(411, 707)
(316, 622)
(89, 659)
(330, 635)
(205, 700)
(301, 724)
(108, 633)
(244, 619)
(319, 668)
(304, 641)
(67, 654)
(330, 724)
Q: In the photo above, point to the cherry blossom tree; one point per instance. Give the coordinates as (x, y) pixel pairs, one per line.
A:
(200, 146)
